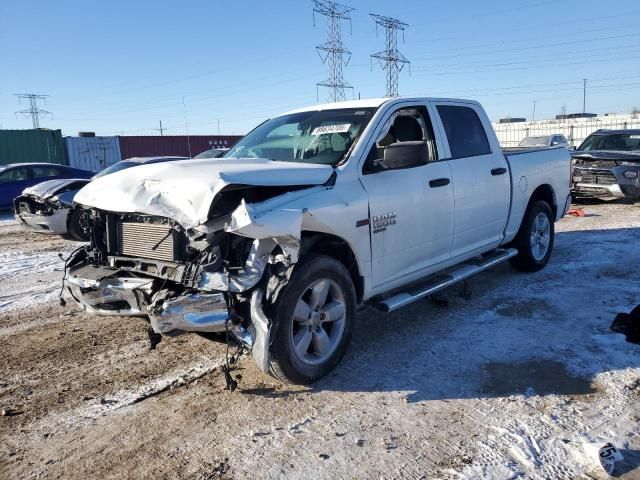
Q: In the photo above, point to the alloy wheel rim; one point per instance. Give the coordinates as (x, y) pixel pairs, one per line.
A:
(540, 236)
(318, 321)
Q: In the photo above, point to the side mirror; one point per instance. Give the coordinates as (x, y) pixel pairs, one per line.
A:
(573, 148)
(405, 155)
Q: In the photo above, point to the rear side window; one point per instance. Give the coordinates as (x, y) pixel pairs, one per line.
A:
(464, 130)
(45, 171)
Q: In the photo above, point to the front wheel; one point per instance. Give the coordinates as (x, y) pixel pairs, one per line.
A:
(77, 225)
(534, 240)
(312, 321)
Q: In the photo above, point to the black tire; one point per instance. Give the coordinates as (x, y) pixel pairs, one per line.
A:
(529, 258)
(286, 365)
(74, 226)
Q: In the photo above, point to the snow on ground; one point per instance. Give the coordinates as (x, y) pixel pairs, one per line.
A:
(28, 279)
(523, 380)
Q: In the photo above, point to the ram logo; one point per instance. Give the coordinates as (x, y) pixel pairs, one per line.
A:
(381, 222)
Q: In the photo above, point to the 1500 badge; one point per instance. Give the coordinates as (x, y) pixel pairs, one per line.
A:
(381, 222)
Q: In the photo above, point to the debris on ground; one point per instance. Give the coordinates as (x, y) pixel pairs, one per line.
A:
(609, 455)
(432, 382)
(154, 338)
(576, 212)
(628, 324)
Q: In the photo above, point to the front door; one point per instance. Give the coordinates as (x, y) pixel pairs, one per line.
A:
(410, 208)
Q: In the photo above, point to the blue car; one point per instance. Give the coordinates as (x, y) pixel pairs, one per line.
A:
(15, 177)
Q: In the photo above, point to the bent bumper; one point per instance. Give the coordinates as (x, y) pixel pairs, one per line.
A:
(596, 190)
(56, 223)
(103, 291)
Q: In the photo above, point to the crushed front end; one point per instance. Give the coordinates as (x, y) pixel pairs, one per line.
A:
(601, 177)
(202, 279)
(43, 215)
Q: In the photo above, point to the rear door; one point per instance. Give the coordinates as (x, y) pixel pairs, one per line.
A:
(481, 183)
(411, 225)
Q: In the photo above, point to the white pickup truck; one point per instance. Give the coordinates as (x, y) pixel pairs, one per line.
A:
(313, 213)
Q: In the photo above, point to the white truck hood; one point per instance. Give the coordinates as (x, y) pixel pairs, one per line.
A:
(184, 190)
(49, 188)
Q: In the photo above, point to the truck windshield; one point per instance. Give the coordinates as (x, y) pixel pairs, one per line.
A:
(312, 137)
(624, 142)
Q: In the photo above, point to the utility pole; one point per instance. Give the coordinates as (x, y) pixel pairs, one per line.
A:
(584, 96)
(161, 130)
(391, 59)
(33, 111)
(333, 52)
(533, 116)
(186, 126)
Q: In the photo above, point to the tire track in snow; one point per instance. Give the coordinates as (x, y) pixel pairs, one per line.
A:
(87, 415)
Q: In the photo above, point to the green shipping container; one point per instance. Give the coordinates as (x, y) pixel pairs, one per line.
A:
(19, 146)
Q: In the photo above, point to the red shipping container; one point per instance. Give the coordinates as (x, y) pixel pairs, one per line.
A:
(173, 145)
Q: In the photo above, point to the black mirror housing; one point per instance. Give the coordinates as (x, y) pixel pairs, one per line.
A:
(405, 155)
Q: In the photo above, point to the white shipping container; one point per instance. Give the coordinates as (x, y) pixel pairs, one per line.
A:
(92, 153)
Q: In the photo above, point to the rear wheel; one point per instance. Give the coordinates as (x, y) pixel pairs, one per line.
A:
(535, 238)
(76, 225)
(312, 321)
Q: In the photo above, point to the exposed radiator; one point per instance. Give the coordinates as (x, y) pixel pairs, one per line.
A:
(146, 240)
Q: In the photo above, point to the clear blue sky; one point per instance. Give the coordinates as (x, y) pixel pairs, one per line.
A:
(117, 66)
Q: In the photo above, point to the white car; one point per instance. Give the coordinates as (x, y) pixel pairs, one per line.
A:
(556, 140)
(314, 212)
(48, 206)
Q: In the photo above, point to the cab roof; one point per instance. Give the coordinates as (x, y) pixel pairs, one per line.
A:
(371, 103)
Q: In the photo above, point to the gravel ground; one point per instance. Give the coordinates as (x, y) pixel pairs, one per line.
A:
(523, 380)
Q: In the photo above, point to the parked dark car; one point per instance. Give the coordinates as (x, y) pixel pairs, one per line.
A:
(607, 164)
(48, 206)
(15, 177)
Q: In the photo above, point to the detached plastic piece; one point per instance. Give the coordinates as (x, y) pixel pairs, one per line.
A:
(609, 455)
(576, 212)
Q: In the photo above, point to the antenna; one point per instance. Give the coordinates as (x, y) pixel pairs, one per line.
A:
(33, 111)
(333, 52)
(391, 59)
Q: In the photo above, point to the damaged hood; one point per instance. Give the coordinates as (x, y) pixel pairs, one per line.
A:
(184, 190)
(49, 188)
(595, 156)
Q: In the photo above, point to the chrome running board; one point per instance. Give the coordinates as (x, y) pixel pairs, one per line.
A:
(440, 281)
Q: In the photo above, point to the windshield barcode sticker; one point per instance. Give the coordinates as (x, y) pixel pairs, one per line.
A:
(338, 128)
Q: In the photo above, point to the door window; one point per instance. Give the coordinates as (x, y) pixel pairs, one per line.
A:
(45, 171)
(405, 125)
(464, 130)
(14, 175)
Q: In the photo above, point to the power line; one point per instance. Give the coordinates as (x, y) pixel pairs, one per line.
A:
(33, 111)
(333, 52)
(530, 47)
(391, 59)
